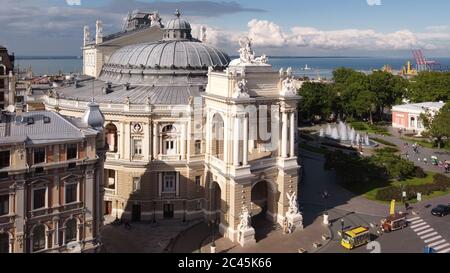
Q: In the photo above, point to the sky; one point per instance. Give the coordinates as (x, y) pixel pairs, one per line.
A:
(382, 28)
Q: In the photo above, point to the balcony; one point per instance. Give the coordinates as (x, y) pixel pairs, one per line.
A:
(112, 156)
(170, 157)
(110, 192)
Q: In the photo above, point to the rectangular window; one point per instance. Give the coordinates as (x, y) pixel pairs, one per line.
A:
(72, 151)
(198, 181)
(39, 198)
(136, 184)
(71, 192)
(137, 147)
(39, 155)
(4, 205)
(198, 147)
(4, 159)
(169, 182)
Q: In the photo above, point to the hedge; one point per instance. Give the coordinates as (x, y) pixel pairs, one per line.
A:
(440, 183)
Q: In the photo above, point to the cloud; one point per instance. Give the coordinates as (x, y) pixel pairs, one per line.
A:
(374, 2)
(270, 37)
(73, 2)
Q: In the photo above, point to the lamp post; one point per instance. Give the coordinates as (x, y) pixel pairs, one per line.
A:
(213, 240)
(342, 225)
(117, 210)
(184, 215)
(325, 196)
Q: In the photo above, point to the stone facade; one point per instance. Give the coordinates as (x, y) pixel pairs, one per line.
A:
(49, 190)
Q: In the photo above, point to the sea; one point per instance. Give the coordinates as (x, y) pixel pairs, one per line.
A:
(312, 67)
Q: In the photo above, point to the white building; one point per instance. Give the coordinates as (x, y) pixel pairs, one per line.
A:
(194, 135)
(407, 116)
(138, 28)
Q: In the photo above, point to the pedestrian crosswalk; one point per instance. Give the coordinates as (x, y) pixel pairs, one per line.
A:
(429, 236)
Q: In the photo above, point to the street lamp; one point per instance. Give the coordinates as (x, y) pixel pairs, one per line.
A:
(325, 196)
(117, 210)
(213, 240)
(342, 225)
(184, 215)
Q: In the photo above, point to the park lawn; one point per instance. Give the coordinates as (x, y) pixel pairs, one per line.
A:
(372, 193)
(371, 129)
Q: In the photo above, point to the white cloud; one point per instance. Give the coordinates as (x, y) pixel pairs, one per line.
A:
(268, 36)
(374, 2)
(73, 2)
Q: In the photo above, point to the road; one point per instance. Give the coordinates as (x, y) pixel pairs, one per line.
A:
(423, 230)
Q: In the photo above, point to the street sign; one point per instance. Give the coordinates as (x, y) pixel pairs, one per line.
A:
(419, 196)
(429, 250)
(404, 194)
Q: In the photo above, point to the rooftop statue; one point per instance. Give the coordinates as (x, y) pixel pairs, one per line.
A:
(241, 90)
(155, 20)
(288, 88)
(247, 55)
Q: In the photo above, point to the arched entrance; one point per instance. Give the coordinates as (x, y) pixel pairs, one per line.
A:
(260, 202)
(216, 202)
(217, 138)
(4, 243)
(260, 197)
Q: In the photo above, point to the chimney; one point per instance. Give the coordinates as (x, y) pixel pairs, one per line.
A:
(98, 32)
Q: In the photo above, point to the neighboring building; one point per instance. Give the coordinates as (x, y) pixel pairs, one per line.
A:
(50, 173)
(7, 78)
(139, 28)
(183, 141)
(407, 116)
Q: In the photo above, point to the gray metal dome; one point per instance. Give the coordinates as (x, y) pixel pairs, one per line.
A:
(169, 54)
(178, 23)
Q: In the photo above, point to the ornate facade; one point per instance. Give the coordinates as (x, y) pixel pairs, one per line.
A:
(50, 168)
(192, 135)
(138, 28)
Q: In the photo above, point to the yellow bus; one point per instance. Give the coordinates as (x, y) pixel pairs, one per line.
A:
(355, 237)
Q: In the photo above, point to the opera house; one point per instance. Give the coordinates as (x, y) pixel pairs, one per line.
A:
(191, 134)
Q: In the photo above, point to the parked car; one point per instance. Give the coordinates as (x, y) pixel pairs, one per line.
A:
(441, 210)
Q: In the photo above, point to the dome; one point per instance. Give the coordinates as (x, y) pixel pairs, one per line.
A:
(176, 55)
(173, 54)
(178, 23)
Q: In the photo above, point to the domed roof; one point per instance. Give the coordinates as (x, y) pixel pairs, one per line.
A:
(169, 54)
(178, 23)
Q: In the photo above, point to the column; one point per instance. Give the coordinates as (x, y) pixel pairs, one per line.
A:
(245, 149)
(236, 142)
(56, 233)
(149, 141)
(284, 134)
(226, 138)
(208, 133)
(177, 185)
(160, 184)
(183, 141)
(292, 136)
(155, 140)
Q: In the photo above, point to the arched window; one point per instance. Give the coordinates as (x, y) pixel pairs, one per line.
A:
(4, 243)
(70, 231)
(39, 238)
(111, 137)
(170, 137)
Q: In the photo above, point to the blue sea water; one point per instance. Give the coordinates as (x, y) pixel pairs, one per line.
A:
(318, 66)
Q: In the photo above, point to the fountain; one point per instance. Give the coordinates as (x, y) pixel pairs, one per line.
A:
(346, 135)
(343, 131)
(335, 134)
(328, 131)
(322, 133)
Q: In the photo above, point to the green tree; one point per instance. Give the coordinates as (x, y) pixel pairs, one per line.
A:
(318, 99)
(438, 126)
(430, 86)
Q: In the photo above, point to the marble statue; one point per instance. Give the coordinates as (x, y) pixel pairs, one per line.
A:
(241, 90)
(288, 87)
(293, 206)
(155, 20)
(245, 220)
(246, 52)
